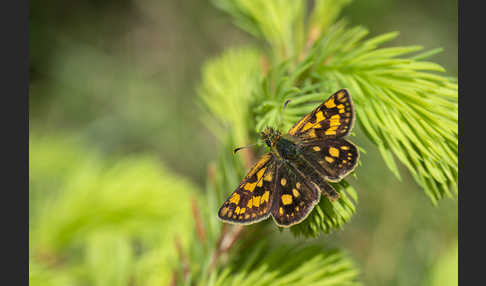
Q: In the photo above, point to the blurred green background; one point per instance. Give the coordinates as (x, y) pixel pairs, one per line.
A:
(113, 109)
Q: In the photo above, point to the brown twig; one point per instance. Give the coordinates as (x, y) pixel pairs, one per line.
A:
(201, 234)
(184, 261)
(49, 257)
(225, 243)
(173, 281)
(229, 236)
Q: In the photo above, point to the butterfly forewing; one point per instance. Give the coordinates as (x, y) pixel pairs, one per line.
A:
(252, 200)
(294, 197)
(332, 119)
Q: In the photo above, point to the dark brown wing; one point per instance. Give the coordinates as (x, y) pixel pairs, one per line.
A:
(333, 157)
(332, 119)
(252, 200)
(294, 197)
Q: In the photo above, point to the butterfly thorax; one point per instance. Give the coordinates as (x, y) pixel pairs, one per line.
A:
(283, 147)
(286, 148)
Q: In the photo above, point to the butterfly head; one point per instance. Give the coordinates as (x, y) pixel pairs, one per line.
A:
(270, 136)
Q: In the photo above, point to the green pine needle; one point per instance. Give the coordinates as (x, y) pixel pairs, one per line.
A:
(278, 22)
(226, 89)
(289, 265)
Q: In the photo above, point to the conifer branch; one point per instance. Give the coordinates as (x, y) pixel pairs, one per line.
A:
(404, 107)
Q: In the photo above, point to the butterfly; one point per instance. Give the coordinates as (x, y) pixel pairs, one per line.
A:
(287, 182)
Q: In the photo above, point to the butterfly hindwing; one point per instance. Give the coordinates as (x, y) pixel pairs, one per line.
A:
(252, 200)
(332, 119)
(294, 197)
(334, 157)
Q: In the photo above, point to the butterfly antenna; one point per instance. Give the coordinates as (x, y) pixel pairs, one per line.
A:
(286, 103)
(281, 113)
(243, 147)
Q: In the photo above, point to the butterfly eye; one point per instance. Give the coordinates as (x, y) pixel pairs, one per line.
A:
(268, 142)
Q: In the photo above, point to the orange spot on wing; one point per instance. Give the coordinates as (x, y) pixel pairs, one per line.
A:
(263, 160)
(256, 201)
(295, 192)
(341, 96)
(260, 183)
(235, 198)
(331, 131)
(265, 197)
(311, 133)
(341, 108)
(286, 199)
(320, 116)
(334, 120)
(224, 211)
(268, 177)
(334, 152)
(299, 124)
(307, 126)
(330, 103)
(260, 173)
(250, 186)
